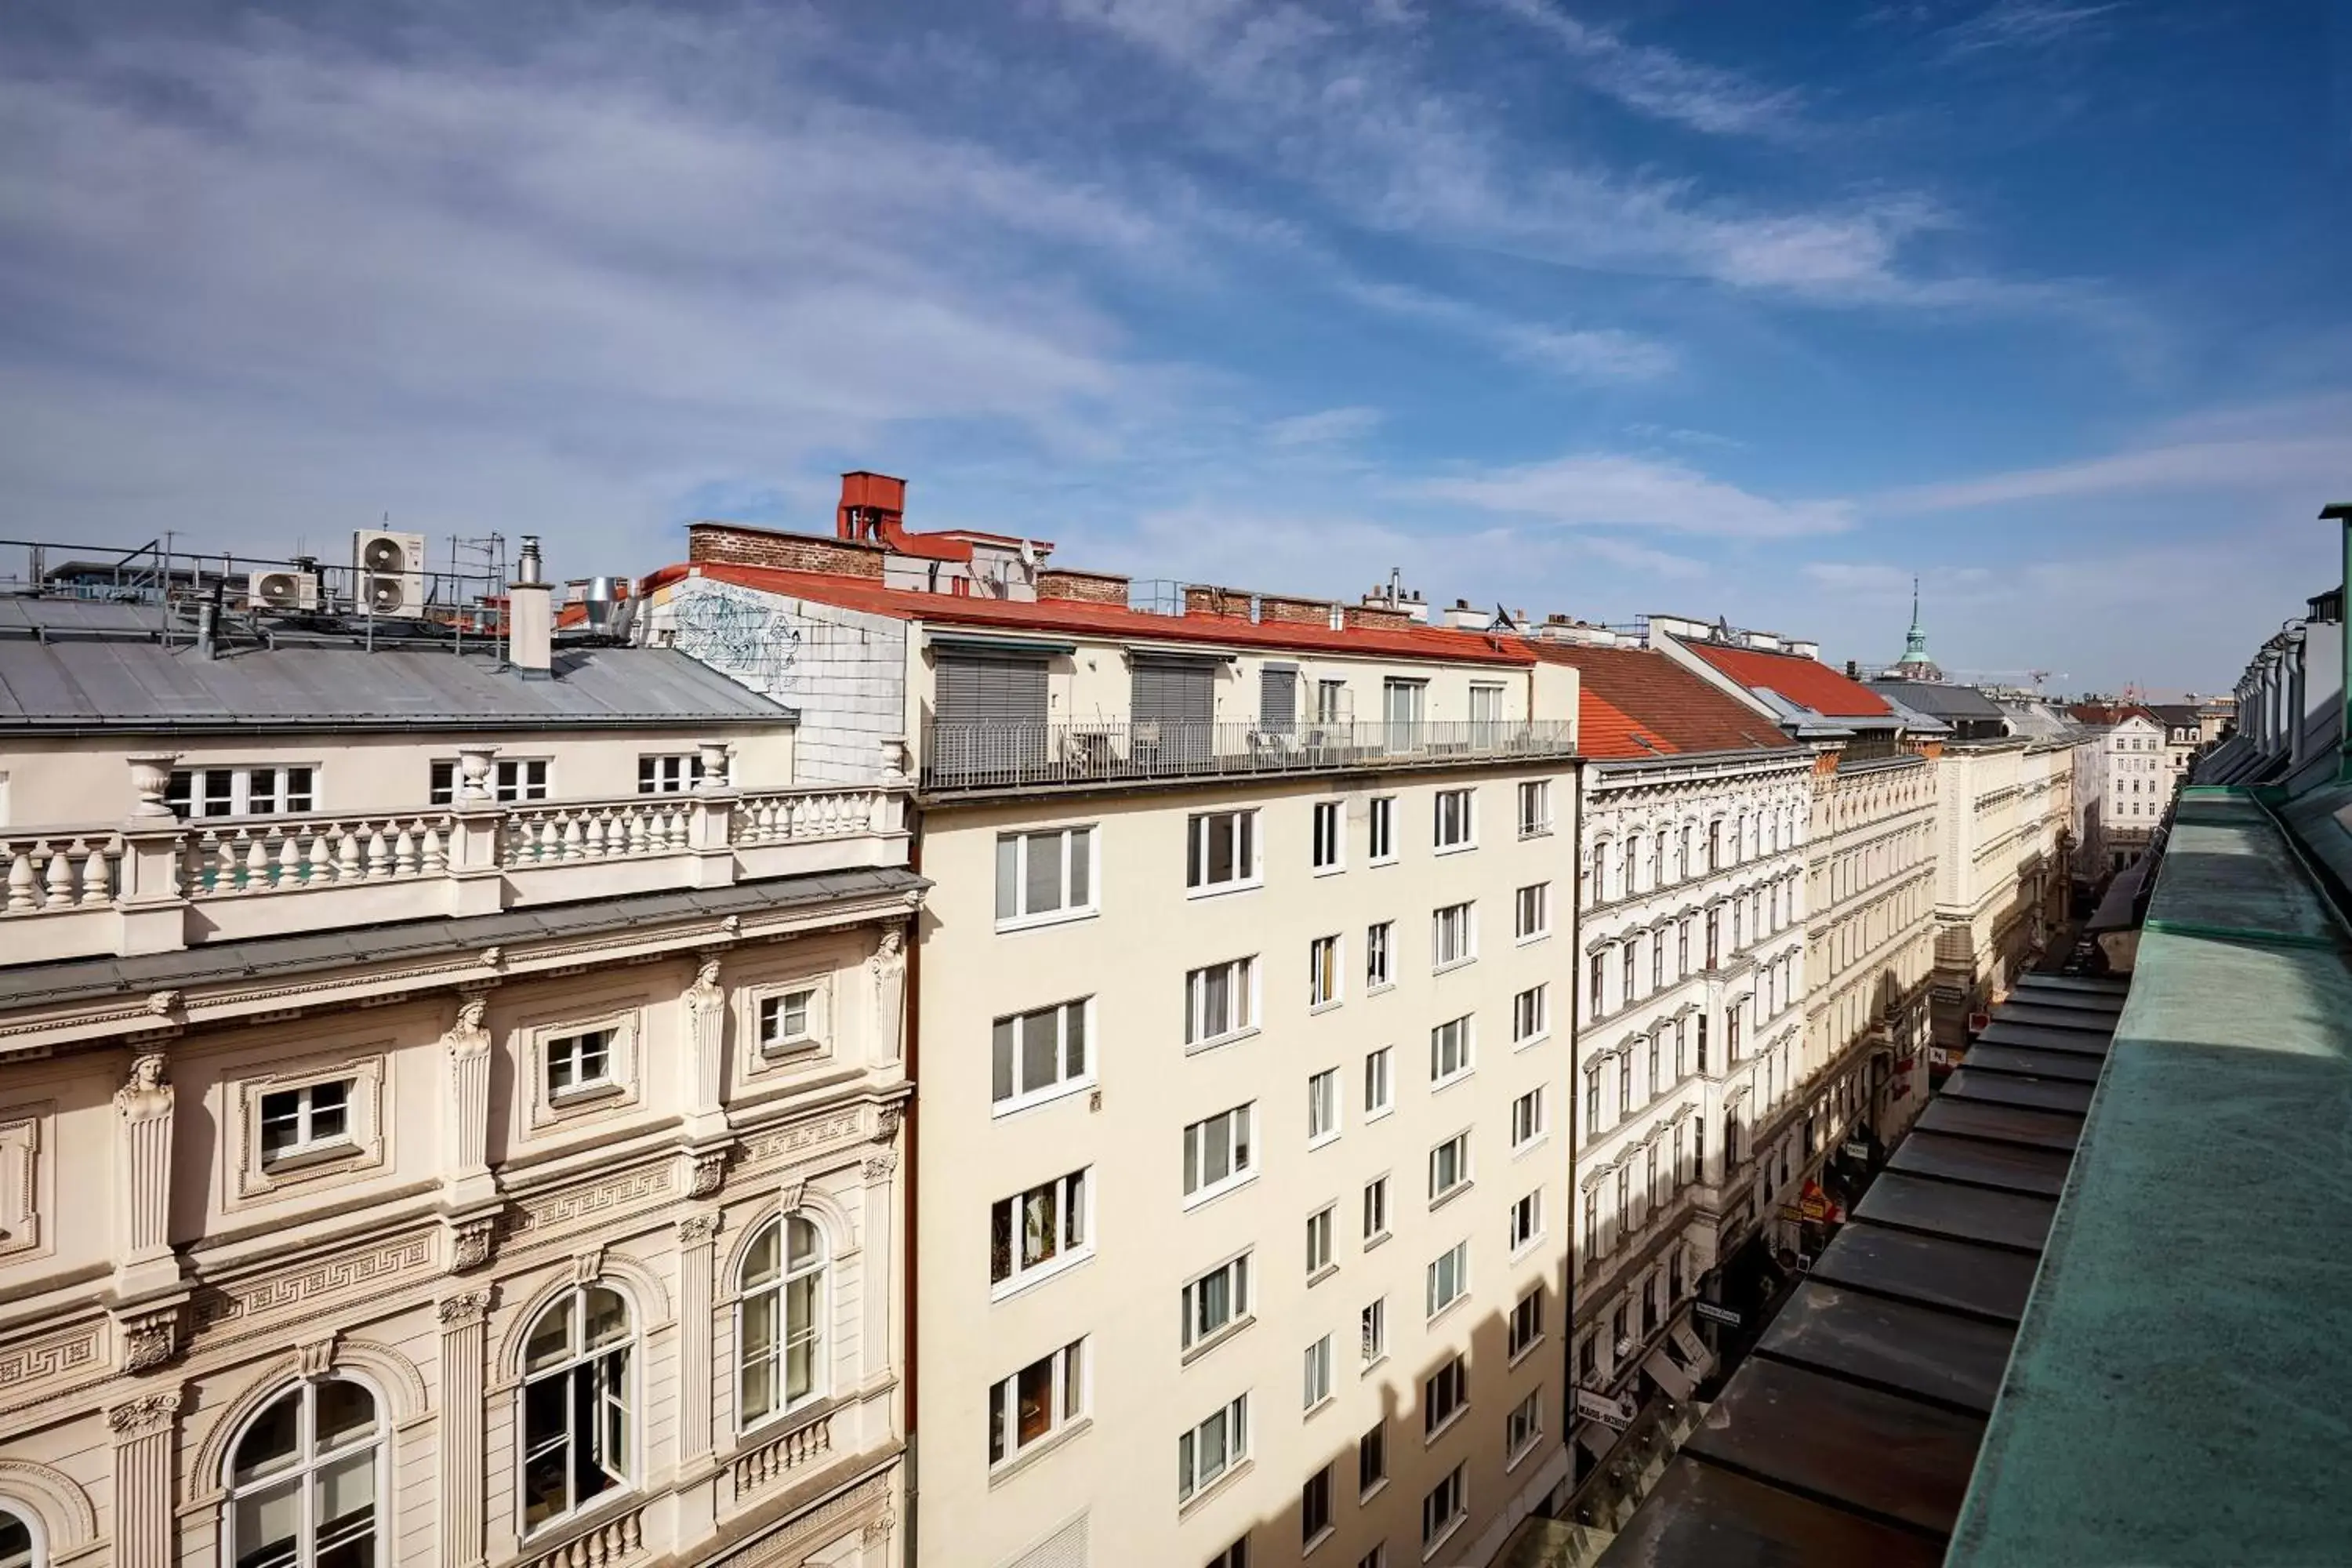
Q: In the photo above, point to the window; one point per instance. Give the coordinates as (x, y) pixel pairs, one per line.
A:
(1629, 966)
(1323, 1107)
(1449, 1167)
(1220, 1001)
(1449, 1278)
(1372, 1460)
(1523, 1427)
(1321, 1227)
(1526, 1323)
(579, 1064)
(1526, 1217)
(1378, 1084)
(780, 1319)
(1530, 1015)
(1376, 1209)
(312, 1120)
(672, 774)
(1715, 845)
(1444, 1509)
(1216, 1300)
(1531, 912)
(1527, 1118)
(1217, 1153)
(1329, 847)
(1224, 852)
(241, 792)
(1331, 704)
(1535, 807)
(1596, 984)
(1234, 1556)
(1319, 1375)
(578, 1432)
(1591, 1099)
(510, 780)
(1456, 819)
(1381, 835)
(1045, 876)
(1450, 1051)
(1372, 1325)
(1380, 948)
(1039, 1055)
(1210, 1450)
(19, 1547)
(787, 1020)
(1444, 1396)
(1041, 1399)
(1323, 972)
(1041, 1231)
(1378, 1557)
(1454, 935)
(304, 1483)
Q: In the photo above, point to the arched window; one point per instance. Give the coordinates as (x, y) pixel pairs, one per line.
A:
(305, 1481)
(578, 1437)
(779, 1319)
(20, 1538)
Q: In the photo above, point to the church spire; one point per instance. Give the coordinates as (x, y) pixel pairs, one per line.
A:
(1916, 663)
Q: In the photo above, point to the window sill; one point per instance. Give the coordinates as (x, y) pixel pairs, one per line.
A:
(1439, 1316)
(1370, 1367)
(1529, 1244)
(1329, 870)
(1383, 1114)
(1022, 1283)
(1201, 1347)
(1534, 1039)
(1538, 830)
(1215, 1041)
(806, 1046)
(1036, 1452)
(1019, 1103)
(1208, 1196)
(1374, 987)
(1439, 1086)
(1040, 922)
(1463, 848)
(1315, 1008)
(1531, 1146)
(1531, 1445)
(1233, 1472)
(1328, 1530)
(1452, 1193)
(1220, 890)
(1323, 1141)
(1310, 1414)
(1528, 1350)
(1453, 963)
(1321, 1274)
(553, 1535)
(1370, 1493)
(311, 1157)
(1532, 938)
(1430, 1438)
(585, 1094)
(1373, 1241)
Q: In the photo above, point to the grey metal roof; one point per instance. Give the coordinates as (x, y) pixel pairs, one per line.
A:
(123, 683)
(21, 614)
(87, 979)
(1938, 701)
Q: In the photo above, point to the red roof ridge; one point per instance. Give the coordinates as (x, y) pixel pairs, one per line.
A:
(1799, 680)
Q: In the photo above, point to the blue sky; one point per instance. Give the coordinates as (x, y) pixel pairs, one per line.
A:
(1656, 305)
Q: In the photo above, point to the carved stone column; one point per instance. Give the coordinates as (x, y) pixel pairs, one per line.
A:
(880, 1350)
(144, 1432)
(888, 966)
(463, 1322)
(148, 1289)
(469, 1191)
(696, 1248)
(704, 1063)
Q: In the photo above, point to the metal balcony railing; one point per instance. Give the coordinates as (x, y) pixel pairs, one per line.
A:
(993, 755)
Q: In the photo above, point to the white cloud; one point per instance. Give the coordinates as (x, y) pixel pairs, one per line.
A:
(1642, 558)
(2024, 24)
(1583, 353)
(1328, 426)
(1603, 489)
(1659, 83)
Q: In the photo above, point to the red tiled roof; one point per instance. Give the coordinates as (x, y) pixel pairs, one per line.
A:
(1806, 683)
(1629, 692)
(2105, 713)
(1078, 618)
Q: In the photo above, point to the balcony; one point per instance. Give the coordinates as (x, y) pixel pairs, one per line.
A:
(960, 755)
(156, 883)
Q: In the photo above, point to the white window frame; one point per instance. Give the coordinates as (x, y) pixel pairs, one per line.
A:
(1316, 1391)
(1073, 1194)
(1524, 1328)
(1196, 851)
(308, 1146)
(1380, 1083)
(606, 1078)
(1235, 1273)
(1379, 831)
(1328, 837)
(1241, 1125)
(1452, 1381)
(1326, 972)
(1530, 1119)
(1241, 989)
(511, 780)
(1322, 1242)
(1464, 947)
(1539, 790)
(1453, 1263)
(668, 773)
(1523, 929)
(1068, 910)
(1530, 1016)
(1522, 1429)
(1380, 956)
(1462, 1033)
(1466, 797)
(191, 800)
(1324, 1111)
(1232, 1418)
(1064, 1081)
(813, 1036)
(1068, 1365)
(1453, 1493)
(1462, 1175)
(1373, 1335)
(1527, 1222)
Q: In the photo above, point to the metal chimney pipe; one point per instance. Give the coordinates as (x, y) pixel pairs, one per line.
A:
(526, 564)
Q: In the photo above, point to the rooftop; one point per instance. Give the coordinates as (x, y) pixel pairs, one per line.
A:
(1806, 685)
(1939, 700)
(1638, 703)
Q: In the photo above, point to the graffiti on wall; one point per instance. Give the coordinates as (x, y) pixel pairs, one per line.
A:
(745, 635)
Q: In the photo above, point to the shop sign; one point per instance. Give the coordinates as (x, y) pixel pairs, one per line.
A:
(1856, 1151)
(1614, 1411)
(1727, 1316)
(1693, 1349)
(1937, 1057)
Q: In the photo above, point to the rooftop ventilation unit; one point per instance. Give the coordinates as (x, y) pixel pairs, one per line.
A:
(289, 591)
(390, 569)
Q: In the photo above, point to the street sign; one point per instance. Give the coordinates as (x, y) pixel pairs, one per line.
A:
(1857, 1151)
(1714, 1314)
(1616, 1413)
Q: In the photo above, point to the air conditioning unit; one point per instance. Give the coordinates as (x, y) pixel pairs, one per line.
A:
(287, 590)
(389, 569)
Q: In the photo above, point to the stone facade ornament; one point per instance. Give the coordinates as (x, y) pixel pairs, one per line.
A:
(468, 1307)
(881, 1166)
(144, 1105)
(696, 1229)
(143, 1416)
(888, 966)
(471, 1243)
(588, 1264)
(710, 1173)
(885, 1123)
(316, 1355)
(788, 1199)
(151, 1339)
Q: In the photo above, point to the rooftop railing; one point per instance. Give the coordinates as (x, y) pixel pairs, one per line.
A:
(975, 754)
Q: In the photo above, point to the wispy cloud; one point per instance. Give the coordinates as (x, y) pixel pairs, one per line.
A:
(2023, 24)
(1325, 426)
(1642, 558)
(1660, 83)
(1602, 490)
(1586, 354)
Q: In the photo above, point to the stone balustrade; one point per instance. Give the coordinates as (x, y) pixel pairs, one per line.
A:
(616, 1540)
(763, 1464)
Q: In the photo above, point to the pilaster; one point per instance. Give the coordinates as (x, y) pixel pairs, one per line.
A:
(879, 1284)
(146, 1432)
(696, 1248)
(469, 1190)
(464, 1320)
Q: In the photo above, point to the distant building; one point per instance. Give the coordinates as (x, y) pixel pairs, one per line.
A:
(1916, 664)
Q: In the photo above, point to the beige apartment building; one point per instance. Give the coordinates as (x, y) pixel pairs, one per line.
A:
(449, 1099)
(1243, 1022)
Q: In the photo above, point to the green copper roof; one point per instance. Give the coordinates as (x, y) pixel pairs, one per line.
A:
(2175, 1396)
